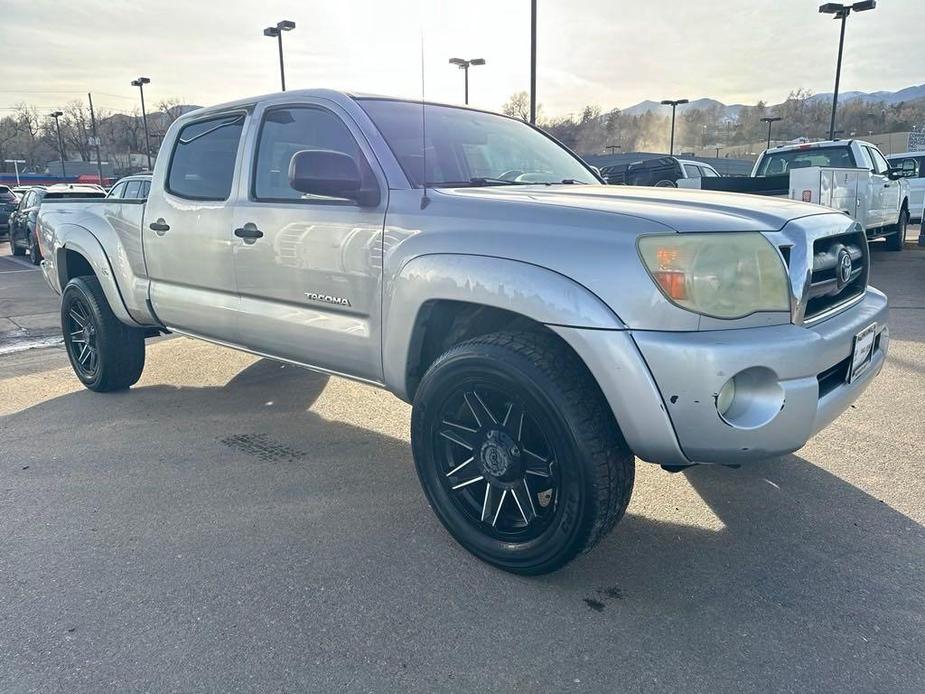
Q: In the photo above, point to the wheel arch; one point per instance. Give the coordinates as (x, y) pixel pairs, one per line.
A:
(78, 252)
(438, 300)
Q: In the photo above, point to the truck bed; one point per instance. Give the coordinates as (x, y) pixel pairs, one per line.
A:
(764, 185)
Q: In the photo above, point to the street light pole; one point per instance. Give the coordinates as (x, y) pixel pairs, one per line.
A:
(674, 103)
(96, 139)
(277, 33)
(533, 62)
(769, 120)
(841, 12)
(464, 66)
(140, 83)
(56, 115)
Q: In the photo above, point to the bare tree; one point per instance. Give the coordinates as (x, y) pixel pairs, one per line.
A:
(518, 106)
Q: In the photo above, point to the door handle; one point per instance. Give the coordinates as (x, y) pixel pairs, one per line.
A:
(249, 232)
(159, 227)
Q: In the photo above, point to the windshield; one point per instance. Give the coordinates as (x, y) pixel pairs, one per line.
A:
(780, 163)
(471, 148)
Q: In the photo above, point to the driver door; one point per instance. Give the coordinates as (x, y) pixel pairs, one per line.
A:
(309, 267)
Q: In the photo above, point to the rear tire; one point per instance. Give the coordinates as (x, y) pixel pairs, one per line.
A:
(499, 396)
(105, 353)
(666, 183)
(35, 255)
(895, 241)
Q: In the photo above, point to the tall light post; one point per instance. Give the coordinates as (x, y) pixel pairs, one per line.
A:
(140, 83)
(769, 120)
(277, 33)
(533, 62)
(674, 103)
(841, 12)
(56, 115)
(464, 66)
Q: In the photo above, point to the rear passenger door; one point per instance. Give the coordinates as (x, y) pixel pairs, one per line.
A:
(311, 283)
(188, 229)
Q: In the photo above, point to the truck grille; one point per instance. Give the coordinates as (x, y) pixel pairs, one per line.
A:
(830, 284)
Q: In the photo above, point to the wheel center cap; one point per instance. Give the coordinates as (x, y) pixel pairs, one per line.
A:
(499, 455)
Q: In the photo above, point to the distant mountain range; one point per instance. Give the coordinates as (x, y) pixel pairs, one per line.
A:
(731, 111)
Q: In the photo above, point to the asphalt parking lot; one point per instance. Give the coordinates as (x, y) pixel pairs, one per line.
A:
(231, 524)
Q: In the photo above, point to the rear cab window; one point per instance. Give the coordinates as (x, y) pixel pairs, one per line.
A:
(202, 164)
(780, 163)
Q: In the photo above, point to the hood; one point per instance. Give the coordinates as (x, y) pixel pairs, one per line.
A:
(683, 210)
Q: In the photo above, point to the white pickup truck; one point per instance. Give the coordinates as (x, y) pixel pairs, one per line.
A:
(851, 176)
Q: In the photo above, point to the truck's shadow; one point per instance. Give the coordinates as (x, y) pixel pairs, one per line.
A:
(312, 502)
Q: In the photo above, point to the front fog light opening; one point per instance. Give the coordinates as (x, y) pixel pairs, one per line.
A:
(750, 399)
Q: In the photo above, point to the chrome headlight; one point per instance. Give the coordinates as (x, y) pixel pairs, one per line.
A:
(722, 275)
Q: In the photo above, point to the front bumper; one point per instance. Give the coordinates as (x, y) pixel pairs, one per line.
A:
(668, 413)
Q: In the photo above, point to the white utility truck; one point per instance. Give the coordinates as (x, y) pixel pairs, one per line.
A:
(851, 176)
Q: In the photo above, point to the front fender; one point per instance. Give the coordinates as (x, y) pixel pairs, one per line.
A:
(528, 290)
(72, 237)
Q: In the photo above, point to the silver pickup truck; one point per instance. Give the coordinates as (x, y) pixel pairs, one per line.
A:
(545, 327)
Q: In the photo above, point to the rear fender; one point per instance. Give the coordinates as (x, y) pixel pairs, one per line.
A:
(71, 237)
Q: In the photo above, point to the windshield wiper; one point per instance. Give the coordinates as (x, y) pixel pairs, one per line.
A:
(488, 181)
(475, 182)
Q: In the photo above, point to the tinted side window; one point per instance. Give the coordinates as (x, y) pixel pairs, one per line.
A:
(286, 131)
(145, 189)
(880, 165)
(117, 191)
(132, 190)
(693, 171)
(202, 165)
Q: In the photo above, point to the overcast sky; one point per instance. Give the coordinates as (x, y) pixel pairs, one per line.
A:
(612, 53)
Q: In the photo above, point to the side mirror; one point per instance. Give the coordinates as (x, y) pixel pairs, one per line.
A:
(331, 174)
(894, 174)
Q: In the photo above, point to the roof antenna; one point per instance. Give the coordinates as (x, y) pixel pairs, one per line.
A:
(425, 201)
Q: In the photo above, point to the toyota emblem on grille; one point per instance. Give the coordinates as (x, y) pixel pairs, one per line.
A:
(844, 267)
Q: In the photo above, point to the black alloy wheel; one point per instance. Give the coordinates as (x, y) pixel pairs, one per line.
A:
(105, 353)
(518, 451)
(497, 463)
(80, 339)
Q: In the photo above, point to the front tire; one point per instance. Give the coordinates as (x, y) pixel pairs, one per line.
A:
(105, 353)
(895, 241)
(518, 451)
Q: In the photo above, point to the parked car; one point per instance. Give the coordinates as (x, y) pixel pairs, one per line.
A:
(546, 328)
(8, 204)
(912, 164)
(851, 176)
(665, 172)
(23, 238)
(131, 188)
